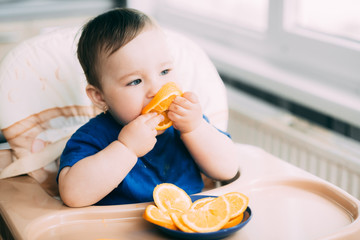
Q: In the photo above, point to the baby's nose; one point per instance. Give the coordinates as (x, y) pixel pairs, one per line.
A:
(153, 89)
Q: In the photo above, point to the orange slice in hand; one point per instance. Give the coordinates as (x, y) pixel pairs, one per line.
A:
(169, 197)
(211, 217)
(161, 102)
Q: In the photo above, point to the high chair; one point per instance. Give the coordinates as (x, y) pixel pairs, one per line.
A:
(43, 101)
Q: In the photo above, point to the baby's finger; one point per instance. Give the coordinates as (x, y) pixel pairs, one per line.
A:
(154, 121)
(174, 116)
(181, 101)
(191, 97)
(147, 116)
(179, 104)
(179, 109)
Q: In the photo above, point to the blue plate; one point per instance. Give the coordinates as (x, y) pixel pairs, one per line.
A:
(207, 236)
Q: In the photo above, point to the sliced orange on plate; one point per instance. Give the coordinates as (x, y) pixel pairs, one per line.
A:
(154, 215)
(179, 223)
(161, 102)
(169, 197)
(238, 203)
(200, 203)
(210, 217)
(175, 210)
(234, 221)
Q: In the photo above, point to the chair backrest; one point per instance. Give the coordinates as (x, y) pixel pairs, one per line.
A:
(43, 99)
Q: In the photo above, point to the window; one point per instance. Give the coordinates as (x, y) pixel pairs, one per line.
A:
(340, 18)
(251, 15)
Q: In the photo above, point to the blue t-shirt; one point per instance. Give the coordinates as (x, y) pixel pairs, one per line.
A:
(169, 161)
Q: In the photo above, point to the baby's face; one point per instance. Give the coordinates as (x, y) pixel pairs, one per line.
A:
(133, 74)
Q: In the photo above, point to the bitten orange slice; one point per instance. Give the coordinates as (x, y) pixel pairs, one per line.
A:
(238, 203)
(154, 215)
(161, 102)
(169, 197)
(211, 217)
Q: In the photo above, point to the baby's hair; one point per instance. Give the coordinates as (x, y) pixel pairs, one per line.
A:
(104, 35)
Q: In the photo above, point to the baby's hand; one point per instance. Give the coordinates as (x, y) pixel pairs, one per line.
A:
(185, 112)
(140, 135)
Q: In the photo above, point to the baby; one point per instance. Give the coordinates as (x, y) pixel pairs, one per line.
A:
(118, 157)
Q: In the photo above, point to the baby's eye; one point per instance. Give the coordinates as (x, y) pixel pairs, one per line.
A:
(135, 82)
(166, 71)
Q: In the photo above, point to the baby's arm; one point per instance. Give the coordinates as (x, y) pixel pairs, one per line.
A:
(93, 177)
(213, 151)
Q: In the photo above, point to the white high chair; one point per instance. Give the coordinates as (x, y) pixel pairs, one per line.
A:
(42, 101)
(43, 98)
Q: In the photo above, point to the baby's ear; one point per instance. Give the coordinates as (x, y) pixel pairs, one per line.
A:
(96, 96)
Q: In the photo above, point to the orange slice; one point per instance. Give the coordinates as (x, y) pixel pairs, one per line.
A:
(158, 217)
(177, 220)
(235, 221)
(211, 217)
(161, 102)
(200, 203)
(169, 197)
(238, 203)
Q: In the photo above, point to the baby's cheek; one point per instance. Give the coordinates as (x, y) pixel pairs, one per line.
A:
(125, 115)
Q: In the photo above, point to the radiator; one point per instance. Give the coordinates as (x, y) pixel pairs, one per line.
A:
(319, 151)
